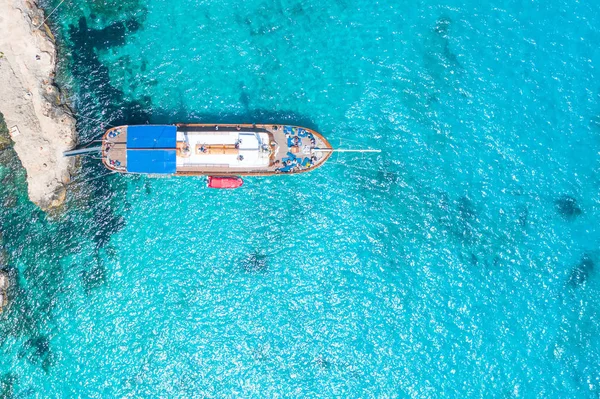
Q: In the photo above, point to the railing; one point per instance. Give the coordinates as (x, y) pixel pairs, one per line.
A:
(203, 165)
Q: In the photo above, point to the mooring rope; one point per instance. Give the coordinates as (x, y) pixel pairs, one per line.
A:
(93, 178)
(90, 155)
(91, 142)
(76, 115)
(64, 186)
(66, 109)
(45, 19)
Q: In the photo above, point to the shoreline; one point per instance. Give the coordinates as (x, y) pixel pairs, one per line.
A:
(40, 124)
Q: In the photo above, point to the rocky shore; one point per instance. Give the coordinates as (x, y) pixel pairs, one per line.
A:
(40, 124)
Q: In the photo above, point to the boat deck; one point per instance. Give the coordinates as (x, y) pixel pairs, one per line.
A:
(228, 149)
(114, 149)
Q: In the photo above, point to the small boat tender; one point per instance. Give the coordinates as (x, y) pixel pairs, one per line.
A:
(224, 182)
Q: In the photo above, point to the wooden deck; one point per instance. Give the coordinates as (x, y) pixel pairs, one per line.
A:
(114, 149)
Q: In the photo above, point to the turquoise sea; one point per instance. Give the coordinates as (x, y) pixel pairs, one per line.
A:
(461, 261)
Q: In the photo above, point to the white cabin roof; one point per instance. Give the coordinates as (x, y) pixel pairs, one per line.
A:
(249, 154)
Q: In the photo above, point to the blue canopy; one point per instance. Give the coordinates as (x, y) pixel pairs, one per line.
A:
(151, 161)
(151, 136)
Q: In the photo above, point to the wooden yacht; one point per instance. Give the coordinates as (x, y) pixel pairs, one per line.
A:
(214, 150)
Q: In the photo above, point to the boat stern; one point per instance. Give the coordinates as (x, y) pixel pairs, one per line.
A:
(114, 149)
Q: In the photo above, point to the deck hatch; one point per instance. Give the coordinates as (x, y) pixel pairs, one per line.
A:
(151, 136)
(151, 161)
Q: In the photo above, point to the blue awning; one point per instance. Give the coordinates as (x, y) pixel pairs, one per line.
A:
(151, 161)
(151, 136)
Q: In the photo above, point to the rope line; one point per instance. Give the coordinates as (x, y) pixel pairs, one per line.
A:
(64, 186)
(89, 155)
(92, 142)
(76, 115)
(93, 178)
(45, 19)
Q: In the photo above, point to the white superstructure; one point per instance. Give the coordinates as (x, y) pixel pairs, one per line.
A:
(232, 149)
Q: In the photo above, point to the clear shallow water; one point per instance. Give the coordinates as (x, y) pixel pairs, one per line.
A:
(462, 261)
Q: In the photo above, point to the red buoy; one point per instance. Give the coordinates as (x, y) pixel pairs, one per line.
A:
(225, 182)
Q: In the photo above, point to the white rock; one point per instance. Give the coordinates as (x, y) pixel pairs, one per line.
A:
(23, 79)
(3, 281)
